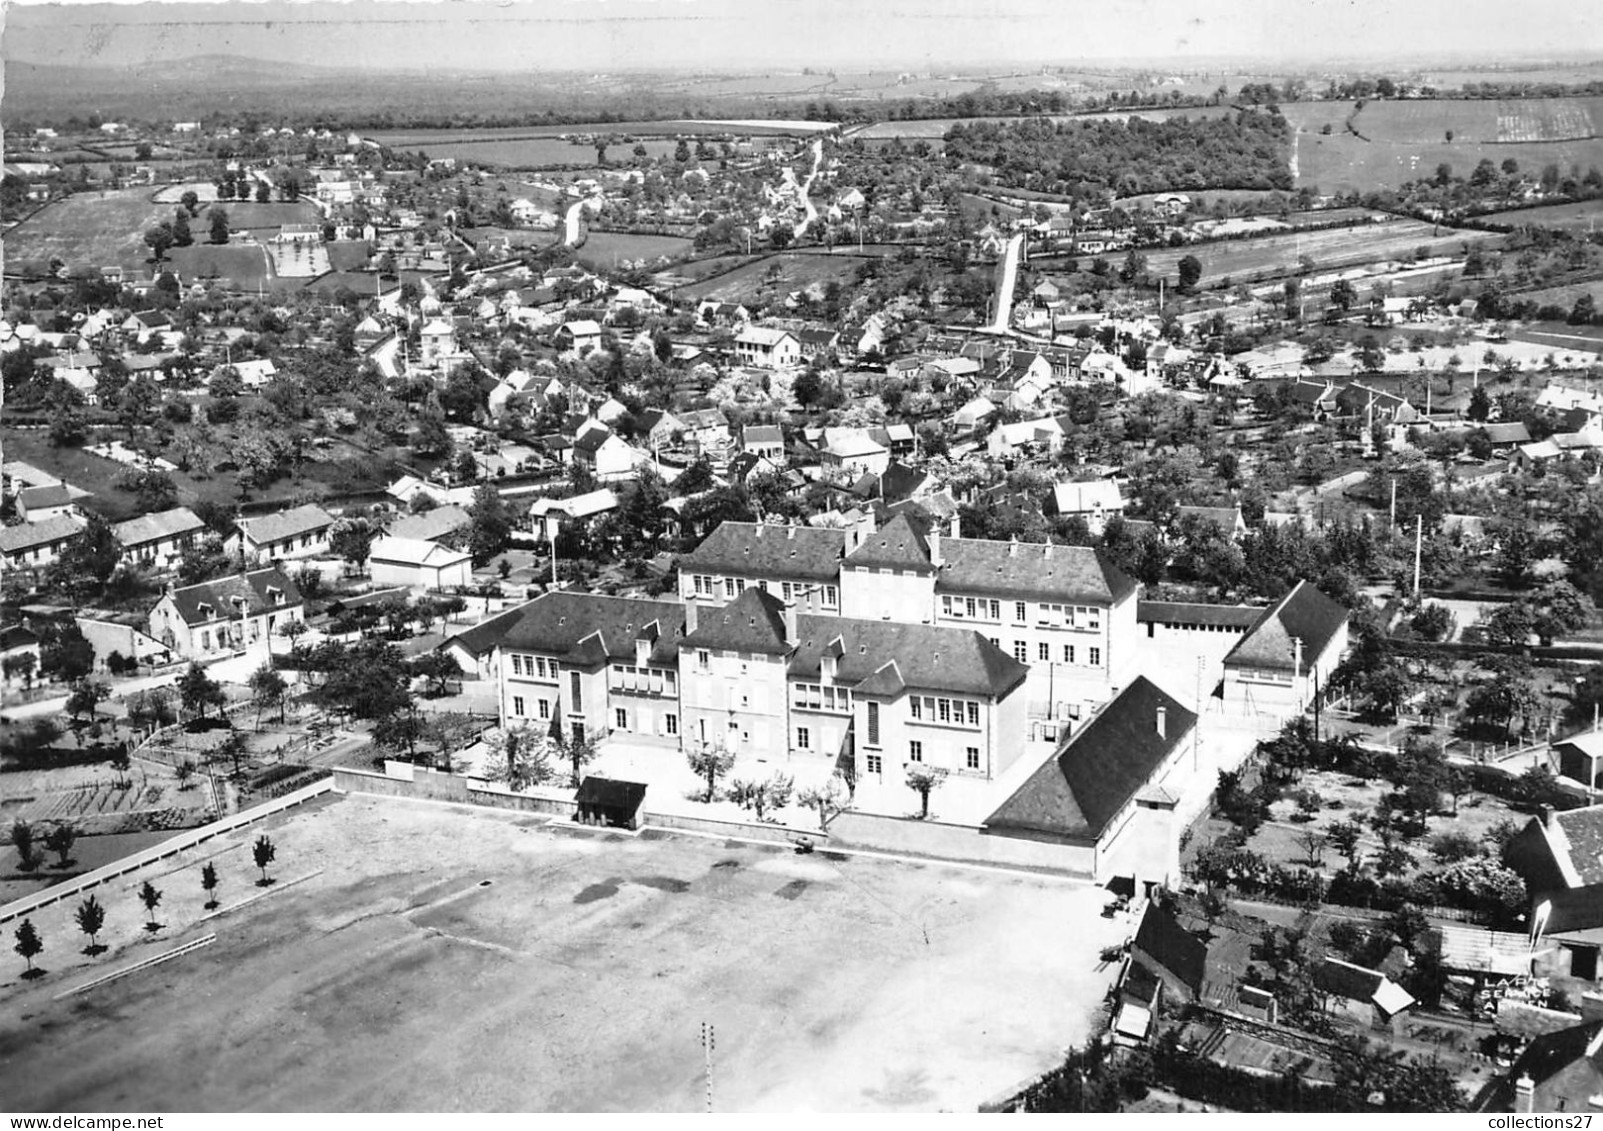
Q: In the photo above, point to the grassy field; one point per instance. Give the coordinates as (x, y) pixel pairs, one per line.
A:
(602, 249)
(1565, 296)
(445, 960)
(429, 139)
(1561, 337)
(238, 265)
(1245, 259)
(934, 128)
(540, 152)
(795, 272)
(1578, 216)
(1408, 139)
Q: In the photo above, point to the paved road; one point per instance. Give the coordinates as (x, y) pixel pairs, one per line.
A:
(1004, 291)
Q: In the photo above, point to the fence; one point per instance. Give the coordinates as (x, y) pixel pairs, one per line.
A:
(964, 843)
(171, 847)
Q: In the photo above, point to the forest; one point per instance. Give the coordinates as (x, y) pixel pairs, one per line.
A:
(1246, 150)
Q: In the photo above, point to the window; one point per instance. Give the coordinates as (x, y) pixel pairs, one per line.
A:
(703, 659)
(1020, 612)
(545, 708)
(915, 751)
(620, 718)
(971, 758)
(517, 706)
(969, 606)
(1043, 651)
(873, 724)
(670, 724)
(804, 739)
(1096, 657)
(578, 691)
(996, 610)
(517, 664)
(729, 587)
(876, 764)
(205, 640)
(915, 705)
(1021, 651)
(1068, 653)
(830, 597)
(945, 708)
(973, 714)
(946, 606)
(784, 591)
(995, 643)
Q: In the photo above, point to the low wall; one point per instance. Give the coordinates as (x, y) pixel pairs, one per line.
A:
(966, 843)
(166, 848)
(780, 834)
(433, 785)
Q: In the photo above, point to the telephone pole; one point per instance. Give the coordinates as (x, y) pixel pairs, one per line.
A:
(708, 1042)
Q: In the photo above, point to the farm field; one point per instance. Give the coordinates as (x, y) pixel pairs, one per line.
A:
(795, 272)
(539, 152)
(1565, 295)
(100, 229)
(936, 128)
(434, 940)
(604, 248)
(238, 265)
(1408, 141)
(1577, 216)
(672, 127)
(1245, 259)
(1559, 337)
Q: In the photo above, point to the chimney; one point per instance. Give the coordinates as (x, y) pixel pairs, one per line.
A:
(957, 525)
(759, 532)
(1547, 816)
(1163, 722)
(935, 547)
(1524, 1095)
(690, 614)
(1013, 547)
(791, 637)
(1591, 1006)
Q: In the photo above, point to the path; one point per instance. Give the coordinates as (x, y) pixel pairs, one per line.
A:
(806, 187)
(1006, 279)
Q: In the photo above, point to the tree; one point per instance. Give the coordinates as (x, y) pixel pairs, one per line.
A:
(1561, 609)
(191, 201)
(1190, 271)
(1343, 294)
(1511, 624)
(489, 524)
(826, 798)
(60, 841)
(209, 882)
(184, 771)
(519, 756)
(400, 730)
(924, 780)
(87, 694)
(576, 752)
(1133, 268)
(263, 852)
(710, 762)
(150, 896)
(268, 687)
(91, 920)
(1344, 836)
(217, 224)
(761, 796)
(120, 763)
(22, 838)
(21, 666)
(1370, 354)
(438, 668)
(89, 560)
(1480, 404)
(182, 237)
(159, 237)
(352, 539)
(198, 691)
(29, 946)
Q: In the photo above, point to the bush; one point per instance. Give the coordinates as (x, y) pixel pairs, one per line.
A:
(1451, 847)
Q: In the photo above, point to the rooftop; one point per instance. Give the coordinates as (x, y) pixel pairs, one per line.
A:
(1303, 614)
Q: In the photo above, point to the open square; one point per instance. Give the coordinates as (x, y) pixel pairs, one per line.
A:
(452, 960)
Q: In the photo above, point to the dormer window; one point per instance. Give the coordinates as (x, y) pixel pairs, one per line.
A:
(204, 609)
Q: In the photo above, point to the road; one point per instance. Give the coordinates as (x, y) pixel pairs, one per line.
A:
(1005, 284)
(806, 187)
(574, 212)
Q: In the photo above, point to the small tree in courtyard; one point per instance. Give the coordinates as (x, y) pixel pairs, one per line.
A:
(263, 853)
(761, 796)
(60, 841)
(22, 837)
(826, 798)
(209, 883)
(30, 946)
(924, 780)
(577, 752)
(91, 919)
(711, 761)
(150, 896)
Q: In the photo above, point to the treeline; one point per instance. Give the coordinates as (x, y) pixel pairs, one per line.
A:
(1245, 150)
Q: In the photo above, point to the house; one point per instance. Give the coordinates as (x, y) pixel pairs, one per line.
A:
(1226, 520)
(853, 452)
(35, 545)
(766, 441)
(591, 665)
(156, 541)
(766, 348)
(706, 433)
(226, 615)
(431, 525)
(578, 336)
(1560, 1072)
(418, 564)
(55, 500)
(609, 458)
(551, 515)
(660, 428)
(764, 679)
(300, 532)
(1560, 858)
(722, 314)
(1042, 435)
(1111, 788)
(1365, 996)
(1580, 758)
(817, 343)
(1288, 656)
(1095, 501)
(799, 564)
(474, 647)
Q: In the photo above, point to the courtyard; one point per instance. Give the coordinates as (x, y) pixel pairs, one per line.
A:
(421, 957)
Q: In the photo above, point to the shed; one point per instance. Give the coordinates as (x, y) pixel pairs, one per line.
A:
(604, 801)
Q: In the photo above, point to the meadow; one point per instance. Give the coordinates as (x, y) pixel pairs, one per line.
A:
(603, 249)
(759, 278)
(1577, 216)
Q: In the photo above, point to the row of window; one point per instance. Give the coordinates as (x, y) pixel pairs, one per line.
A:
(875, 763)
(535, 667)
(627, 677)
(817, 697)
(705, 585)
(1085, 617)
(956, 712)
(520, 707)
(1264, 675)
(1043, 653)
(620, 721)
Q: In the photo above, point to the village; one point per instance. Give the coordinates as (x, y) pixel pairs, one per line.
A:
(1234, 553)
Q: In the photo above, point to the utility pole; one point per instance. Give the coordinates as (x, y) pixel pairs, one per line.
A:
(708, 1042)
(1419, 541)
(1392, 524)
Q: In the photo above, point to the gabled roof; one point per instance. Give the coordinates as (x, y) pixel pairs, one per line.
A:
(1576, 840)
(1225, 518)
(1184, 613)
(761, 434)
(1303, 614)
(228, 596)
(292, 523)
(27, 535)
(882, 658)
(482, 638)
(765, 336)
(50, 495)
(586, 628)
(1575, 1054)
(752, 622)
(1087, 498)
(1031, 570)
(414, 552)
(1162, 939)
(1511, 432)
(900, 546)
(748, 549)
(156, 527)
(1356, 983)
(430, 525)
(1100, 769)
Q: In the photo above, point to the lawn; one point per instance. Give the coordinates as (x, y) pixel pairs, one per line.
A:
(604, 249)
(98, 229)
(1577, 216)
(795, 272)
(240, 266)
(441, 959)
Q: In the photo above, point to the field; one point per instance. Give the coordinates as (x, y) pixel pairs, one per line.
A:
(933, 128)
(1408, 139)
(1565, 295)
(607, 248)
(795, 272)
(428, 139)
(242, 265)
(539, 152)
(1246, 259)
(1579, 216)
(450, 960)
(1560, 337)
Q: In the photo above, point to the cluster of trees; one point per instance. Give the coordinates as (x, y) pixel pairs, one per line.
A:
(1246, 150)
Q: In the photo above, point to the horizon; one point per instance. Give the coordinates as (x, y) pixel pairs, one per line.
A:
(677, 35)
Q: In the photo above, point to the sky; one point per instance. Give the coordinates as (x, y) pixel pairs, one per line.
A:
(659, 34)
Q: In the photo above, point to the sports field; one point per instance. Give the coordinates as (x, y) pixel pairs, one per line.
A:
(449, 960)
